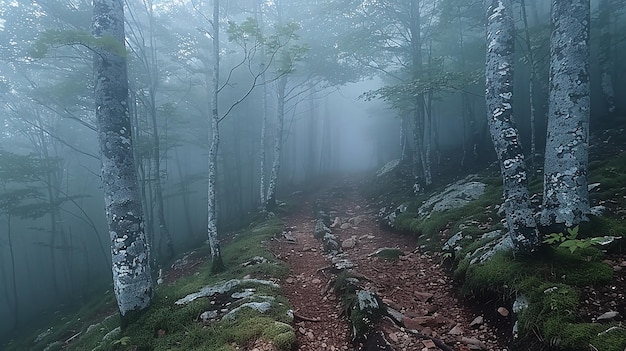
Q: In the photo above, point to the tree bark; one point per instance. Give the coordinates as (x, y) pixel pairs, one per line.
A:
(605, 56)
(129, 250)
(278, 142)
(566, 197)
(214, 243)
(499, 99)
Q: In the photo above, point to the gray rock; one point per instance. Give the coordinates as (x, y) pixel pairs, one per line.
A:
(456, 195)
(451, 244)
(390, 219)
(388, 167)
(331, 244)
(243, 294)
(367, 301)
(608, 316)
(223, 288)
(345, 226)
(501, 242)
(320, 229)
(520, 303)
(261, 307)
(349, 243)
(207, 316)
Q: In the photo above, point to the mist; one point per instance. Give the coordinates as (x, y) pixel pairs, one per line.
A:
(307, 91)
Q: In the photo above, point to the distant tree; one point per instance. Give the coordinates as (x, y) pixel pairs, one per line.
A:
(566, 197)
(605, 56)
(499, 99)
(22, 196)
(129, 250)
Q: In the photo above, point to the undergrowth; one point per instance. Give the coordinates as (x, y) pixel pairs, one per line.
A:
(166, 326)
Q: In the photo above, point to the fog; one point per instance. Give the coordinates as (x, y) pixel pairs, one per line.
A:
(342, 77)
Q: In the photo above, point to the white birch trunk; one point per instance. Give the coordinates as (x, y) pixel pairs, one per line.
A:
(278, 143)
(566, 197)
(214, 136)
(129, 249)
(499, 99)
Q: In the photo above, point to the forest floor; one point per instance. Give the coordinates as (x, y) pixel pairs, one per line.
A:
(416, 284)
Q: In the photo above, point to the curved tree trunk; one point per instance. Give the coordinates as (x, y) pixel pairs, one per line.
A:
(129, 250)
(566, 197)
(504, 134)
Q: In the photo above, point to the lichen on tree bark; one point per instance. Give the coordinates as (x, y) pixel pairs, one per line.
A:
(129, 249)
(566, 197)
(505, 137)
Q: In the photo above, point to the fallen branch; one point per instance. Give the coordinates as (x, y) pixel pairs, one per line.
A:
(304, 318)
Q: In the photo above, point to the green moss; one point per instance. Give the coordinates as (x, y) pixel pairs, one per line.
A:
(494, 276)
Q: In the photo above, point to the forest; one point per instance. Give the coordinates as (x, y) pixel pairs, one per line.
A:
(223, 135)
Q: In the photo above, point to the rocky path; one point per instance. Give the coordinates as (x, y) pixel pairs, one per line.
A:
(415, 284)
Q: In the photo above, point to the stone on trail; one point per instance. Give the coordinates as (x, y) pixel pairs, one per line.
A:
(455, 195)
(607, 316)
(477, 322)
(349, 243)
(345, 226)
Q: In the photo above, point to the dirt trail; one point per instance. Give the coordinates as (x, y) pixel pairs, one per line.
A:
(416, 285)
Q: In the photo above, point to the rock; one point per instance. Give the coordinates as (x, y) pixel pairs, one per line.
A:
(388, 167)
(423, 296)
(395, 315)
(429, 344)
(455, 195)
(320, 229)
(501, 242)
(473, 342)
(607, 316)
(289, 237)
(355, 221)
(393, 337)
(242, 295)
(593, 186)
(390, 219)
(503, 311)
(223, 288)
(345, 226)
(207, 316)
(261, 307)
(457, 330)
(254, 261)
(349, 243)
(597, 210)
(336, 223)
(477, 322)
(341, 264)
(520, 303)
(331, 244)
(451, 244)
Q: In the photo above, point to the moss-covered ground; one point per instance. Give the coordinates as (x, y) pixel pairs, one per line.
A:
(166, 326)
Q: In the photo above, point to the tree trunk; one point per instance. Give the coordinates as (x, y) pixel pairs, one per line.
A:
(566, 197)
(129, 250)
(278, 143)
(16, 309)
(214, 243)
(605, 56)
(531, 90)
(499, 100)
